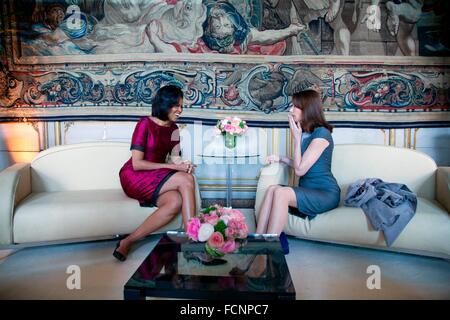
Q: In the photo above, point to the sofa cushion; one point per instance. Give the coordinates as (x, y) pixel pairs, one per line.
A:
(83, 166)
(390, 164)
(427, 233)
(50, 216)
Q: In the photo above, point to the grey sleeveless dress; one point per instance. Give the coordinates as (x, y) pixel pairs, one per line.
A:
(317, 190)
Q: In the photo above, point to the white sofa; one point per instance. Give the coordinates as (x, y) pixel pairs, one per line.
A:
(428, 233)
(70, 193)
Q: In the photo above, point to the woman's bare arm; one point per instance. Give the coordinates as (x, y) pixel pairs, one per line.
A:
(140, 164)
(287, 160)
(302, 163)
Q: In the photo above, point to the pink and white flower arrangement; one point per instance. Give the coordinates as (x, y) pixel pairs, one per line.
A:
(231, 125)
(219, 228)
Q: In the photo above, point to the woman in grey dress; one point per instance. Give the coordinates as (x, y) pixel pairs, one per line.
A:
(317, 190)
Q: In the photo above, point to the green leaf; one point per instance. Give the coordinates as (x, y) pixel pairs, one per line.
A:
(208, 210)
(220, 226)
(213, 252)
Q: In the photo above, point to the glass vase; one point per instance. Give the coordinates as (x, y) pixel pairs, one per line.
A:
(230, 140)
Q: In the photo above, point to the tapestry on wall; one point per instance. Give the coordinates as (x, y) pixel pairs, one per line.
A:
(229, 56)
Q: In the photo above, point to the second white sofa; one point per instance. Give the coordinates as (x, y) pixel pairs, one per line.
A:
(428, 232)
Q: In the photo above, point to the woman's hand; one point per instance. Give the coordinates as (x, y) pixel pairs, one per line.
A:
(185, 166)
(296, 129)
(273, 158)
(192, 166)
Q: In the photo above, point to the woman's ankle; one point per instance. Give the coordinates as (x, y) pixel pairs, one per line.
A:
(126, 243)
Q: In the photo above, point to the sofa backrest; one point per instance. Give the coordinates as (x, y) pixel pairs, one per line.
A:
(392, 164)
(83, 166)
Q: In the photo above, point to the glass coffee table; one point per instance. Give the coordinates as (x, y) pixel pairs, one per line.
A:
(176, 268)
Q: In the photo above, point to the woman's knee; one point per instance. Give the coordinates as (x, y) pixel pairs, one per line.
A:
(280, 192)
(186, 180)
(272, 188)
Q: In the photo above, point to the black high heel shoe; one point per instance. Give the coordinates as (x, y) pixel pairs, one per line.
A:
(117, 254)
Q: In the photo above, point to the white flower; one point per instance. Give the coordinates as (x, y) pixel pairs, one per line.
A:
(205, 231)
(225, 219)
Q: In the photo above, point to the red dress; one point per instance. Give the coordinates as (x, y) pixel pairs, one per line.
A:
(156, 142)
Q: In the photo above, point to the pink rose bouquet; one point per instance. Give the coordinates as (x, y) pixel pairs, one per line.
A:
(219, 228)
(231, 125)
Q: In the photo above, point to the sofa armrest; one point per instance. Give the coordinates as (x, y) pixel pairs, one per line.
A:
(443, 187)
(272, 174)
(15, 185)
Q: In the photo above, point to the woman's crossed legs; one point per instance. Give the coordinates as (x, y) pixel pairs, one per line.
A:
(177, 194)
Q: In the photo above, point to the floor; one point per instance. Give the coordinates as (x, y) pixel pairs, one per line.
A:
(319, 271)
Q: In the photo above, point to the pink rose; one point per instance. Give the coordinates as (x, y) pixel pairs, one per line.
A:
(216, 240)
(228, 246)
(229, 232)
(211, 218)
(236, 215)
(228, 128)
(233, 224)
(193, 227)
(243, 232)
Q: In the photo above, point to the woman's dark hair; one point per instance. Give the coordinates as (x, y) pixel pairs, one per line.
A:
(165, 98)
(312, 114)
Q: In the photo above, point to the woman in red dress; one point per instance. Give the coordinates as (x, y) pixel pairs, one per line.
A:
(147, 177)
